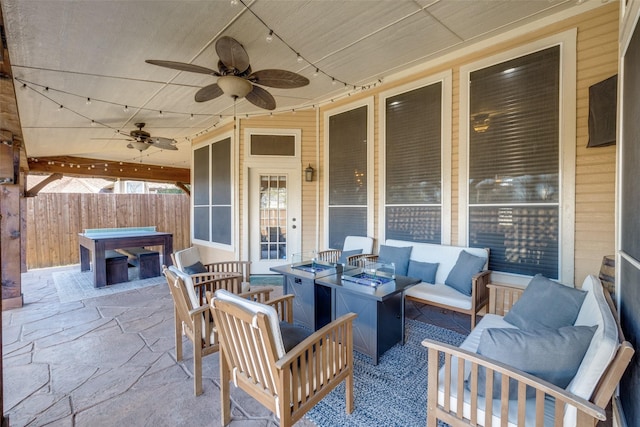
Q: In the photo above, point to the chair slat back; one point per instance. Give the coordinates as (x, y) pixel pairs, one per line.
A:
(180, 297)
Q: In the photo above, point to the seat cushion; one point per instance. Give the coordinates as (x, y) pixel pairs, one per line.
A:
(463, 271)
(546, 304)
(396, 255)
(441, 294)
(292, 335)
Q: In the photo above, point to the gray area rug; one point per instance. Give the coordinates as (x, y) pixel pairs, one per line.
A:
(393, 393)
(76, 285)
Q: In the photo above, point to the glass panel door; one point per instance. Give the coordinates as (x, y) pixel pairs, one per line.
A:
(273, 217)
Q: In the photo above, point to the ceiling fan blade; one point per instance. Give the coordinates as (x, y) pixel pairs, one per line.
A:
(282, 79)
(261, 98)
(232, 54)
(182, 66)
(208, 93)
(163, 143)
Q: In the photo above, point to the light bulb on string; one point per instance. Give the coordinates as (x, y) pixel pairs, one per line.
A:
(315, 73)
(299, 58)
(126, 108)
(269, 37)
(88, 101)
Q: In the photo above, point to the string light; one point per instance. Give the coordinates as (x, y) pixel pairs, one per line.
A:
(299, 58)
(315, 73)
(88, 101)
(60, 107)
(126, 108)
(269, 37)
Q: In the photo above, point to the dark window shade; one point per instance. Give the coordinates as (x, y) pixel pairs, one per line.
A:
(348, 158)
(201, 176)
(348, 202)
(514, 160)
(221, 224)
(221, 172)
(413, 146)
(201, 223)
(273, 145)
(413, 172)
(346, 221)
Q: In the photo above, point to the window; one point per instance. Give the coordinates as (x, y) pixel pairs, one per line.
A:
(413, 165)
(212, 192)
(515, 142)
(348, 177)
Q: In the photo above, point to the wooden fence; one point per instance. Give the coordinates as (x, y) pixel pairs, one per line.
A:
(55, 219)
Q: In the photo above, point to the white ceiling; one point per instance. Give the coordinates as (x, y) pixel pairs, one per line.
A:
(97, 49)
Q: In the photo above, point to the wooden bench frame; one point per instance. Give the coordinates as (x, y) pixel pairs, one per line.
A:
(589, 412)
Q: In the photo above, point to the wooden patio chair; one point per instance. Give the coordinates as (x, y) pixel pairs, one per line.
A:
(253, 356)
(347, 255)
(193, 318)
(189, 261)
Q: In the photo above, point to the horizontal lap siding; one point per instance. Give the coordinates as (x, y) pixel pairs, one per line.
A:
(55, 219)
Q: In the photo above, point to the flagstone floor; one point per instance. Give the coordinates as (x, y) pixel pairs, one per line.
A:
(111, 361)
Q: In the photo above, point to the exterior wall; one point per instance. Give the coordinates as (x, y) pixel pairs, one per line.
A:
(597, 48)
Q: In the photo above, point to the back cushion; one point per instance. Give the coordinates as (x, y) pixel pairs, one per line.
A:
(186, 257)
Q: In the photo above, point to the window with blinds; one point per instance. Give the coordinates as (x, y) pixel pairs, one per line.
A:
(347, 186)
(514, 203)
(413, 171)
(212, 192)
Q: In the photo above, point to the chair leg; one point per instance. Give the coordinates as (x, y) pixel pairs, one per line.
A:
(225, 401)
(197, 368)
(178, 335)
(349, 391)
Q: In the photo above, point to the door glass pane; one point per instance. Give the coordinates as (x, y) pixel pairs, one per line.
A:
(273, 217)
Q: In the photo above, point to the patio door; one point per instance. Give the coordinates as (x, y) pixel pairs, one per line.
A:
(274, 217)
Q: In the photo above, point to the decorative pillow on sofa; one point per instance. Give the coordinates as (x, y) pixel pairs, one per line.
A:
(196, 268)
(553, 355)
(397, 255)
(346, 254)
(546, 304)
(460, 276)
(425, 271)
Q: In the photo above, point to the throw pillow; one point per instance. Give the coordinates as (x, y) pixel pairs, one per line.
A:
(346, 254)
(292, 335)
(397, 255)
(425, 271)
(196, 268)
(552, 355)
(466, 266)
(546, 304)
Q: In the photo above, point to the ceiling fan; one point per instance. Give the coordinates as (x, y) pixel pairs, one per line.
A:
(141, 140)
(235, 77)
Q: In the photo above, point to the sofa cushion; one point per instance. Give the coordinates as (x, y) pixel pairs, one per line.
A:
(346, 254)
(546, 304)
(425, 271)
(397, 255)
(196, 268)
(440, 293)
(462, 272)
(553, 355)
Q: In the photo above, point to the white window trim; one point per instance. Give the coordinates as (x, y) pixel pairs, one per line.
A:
(287, 162)
(368, 102)
(447, 93)
(567, 128)
(234, 201)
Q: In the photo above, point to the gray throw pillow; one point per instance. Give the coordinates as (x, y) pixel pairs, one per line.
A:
(196, 268)
(346, 254)
(292, 335)
(425, 271)
(466, 267)
(546, 304)
(552, 355)
(397, 255)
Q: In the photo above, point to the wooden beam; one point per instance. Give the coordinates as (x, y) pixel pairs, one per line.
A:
(184, 188)
(95, 168)
(33, 191)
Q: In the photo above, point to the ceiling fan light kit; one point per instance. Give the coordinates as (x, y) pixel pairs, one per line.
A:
(235, 87)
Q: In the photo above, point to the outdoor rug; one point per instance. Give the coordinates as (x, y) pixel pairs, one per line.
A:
(76, 285)
(393, 393)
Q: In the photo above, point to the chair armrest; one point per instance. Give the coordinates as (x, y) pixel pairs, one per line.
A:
(212, 281)
(502, 297)
(448, 353)
(339, 330)
(479, 291)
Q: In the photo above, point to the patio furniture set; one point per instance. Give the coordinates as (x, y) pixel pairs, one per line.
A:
(289, 352)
